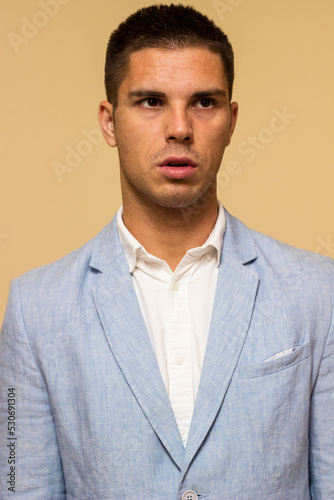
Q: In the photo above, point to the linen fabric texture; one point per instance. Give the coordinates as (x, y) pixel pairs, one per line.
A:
(93, 419)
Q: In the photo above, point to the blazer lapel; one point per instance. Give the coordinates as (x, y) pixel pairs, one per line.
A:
(124, 327)
(234, 301)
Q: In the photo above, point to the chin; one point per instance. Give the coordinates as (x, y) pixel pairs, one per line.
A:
(185, 202)
(187, 198)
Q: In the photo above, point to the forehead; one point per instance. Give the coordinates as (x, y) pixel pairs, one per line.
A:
(188, 68)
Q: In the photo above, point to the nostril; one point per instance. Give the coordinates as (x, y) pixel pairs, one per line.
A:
(173, 138)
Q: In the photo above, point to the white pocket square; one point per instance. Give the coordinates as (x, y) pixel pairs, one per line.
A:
(281, 354)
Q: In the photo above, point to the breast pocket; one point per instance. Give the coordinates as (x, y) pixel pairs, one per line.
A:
(269, 406)
(280, 361)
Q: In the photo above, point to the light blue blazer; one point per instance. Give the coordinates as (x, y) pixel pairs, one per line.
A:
(93, 420)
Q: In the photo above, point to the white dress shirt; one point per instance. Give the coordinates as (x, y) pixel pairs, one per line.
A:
(177, 308)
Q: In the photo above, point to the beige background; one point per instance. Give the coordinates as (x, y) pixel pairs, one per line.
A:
(277, 175)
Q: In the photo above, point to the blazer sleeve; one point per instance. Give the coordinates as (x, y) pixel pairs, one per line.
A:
(321, 438)
(30, 462)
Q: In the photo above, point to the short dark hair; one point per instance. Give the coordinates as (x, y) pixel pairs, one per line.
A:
(163, 26)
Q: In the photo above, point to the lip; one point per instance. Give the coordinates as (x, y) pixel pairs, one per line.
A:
(177, 159)
(185, 169)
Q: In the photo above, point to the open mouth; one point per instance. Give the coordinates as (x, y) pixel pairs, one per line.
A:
(177, 168)
(177, 161)
(177, 164)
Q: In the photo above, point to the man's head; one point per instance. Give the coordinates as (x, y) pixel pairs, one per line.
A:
(163, 26)
(169, 111)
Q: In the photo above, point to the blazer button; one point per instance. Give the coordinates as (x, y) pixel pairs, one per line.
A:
(189, 495)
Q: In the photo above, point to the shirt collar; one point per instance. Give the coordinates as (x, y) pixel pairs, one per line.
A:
(134, 250)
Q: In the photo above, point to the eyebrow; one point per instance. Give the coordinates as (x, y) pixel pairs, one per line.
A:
(155, 93)
(210, 92)
(145, 93)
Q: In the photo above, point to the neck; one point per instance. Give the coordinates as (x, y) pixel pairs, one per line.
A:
(168, 233)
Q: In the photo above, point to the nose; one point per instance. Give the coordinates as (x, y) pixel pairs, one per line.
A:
(178, 126)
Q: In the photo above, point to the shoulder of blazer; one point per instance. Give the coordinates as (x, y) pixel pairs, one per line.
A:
(279, 261)
(72, 270)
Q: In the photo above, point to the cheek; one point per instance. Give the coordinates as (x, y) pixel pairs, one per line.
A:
(135, 149)
(217, 131)
(138, 138)
(214, 148)
(217, 140)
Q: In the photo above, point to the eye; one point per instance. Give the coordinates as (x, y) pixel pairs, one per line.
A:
(204, 102)
(150, 102)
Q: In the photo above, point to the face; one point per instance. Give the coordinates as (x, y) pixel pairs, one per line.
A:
(171, 126)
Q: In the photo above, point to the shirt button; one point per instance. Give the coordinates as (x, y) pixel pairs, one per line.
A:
(208, 257)
(184, 436)
(176, 286)
(189, 495)
(179, 360)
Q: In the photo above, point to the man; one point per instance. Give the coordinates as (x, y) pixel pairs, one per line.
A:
(178, 354)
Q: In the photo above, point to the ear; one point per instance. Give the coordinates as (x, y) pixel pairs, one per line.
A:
(234, 107)
(105, 116)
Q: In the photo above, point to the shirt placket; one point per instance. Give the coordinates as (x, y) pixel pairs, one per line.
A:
(179, 362)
